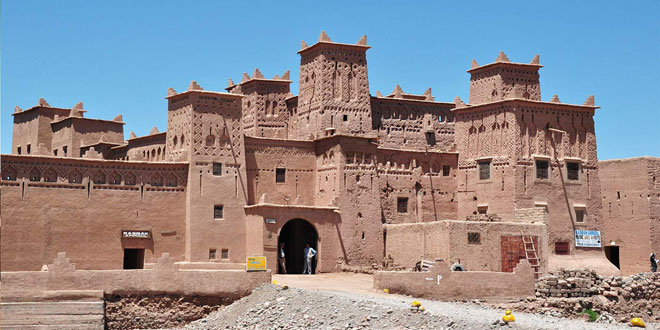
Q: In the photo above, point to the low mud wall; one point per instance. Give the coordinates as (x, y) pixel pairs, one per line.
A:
(165, 278)
(440, 283)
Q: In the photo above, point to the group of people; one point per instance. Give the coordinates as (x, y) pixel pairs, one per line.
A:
(309, 253)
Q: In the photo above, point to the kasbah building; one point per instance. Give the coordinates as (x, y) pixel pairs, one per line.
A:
(369, 181)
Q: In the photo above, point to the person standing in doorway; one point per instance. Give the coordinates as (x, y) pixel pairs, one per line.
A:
(654, 263)
(282, 259)
(309, 254)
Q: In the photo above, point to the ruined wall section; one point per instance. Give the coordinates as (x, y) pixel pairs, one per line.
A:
(215, 214)
(334, 91)
(416, 186)
(295, 159)
(54, 204)
(416, 125)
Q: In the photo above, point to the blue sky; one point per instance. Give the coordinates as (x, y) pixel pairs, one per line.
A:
(121, 56)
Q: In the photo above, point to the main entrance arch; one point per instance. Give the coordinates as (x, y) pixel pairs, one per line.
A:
(295, 234)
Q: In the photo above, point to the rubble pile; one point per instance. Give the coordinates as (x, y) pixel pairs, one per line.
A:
(271, 307)
(586, 283)
(616, 299)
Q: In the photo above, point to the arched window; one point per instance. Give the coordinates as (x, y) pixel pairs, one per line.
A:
(50, 175)
(158, 154)
(157, 180)
(210, 140)
(9, 173)
(115, 178)
(153, 154)
(35, 175)
(99, 178)
(75, 176)
(171, 181)
(183, 140)
(129, 179)
(175, 141)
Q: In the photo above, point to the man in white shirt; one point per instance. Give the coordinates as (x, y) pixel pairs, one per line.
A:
(281, 257)
(309, 254)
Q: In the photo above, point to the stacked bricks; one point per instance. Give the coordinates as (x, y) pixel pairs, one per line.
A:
(586, 283)
(491, 217)
(568, 283)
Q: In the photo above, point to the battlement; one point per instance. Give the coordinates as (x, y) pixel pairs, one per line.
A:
(504, 79)
(325, 42)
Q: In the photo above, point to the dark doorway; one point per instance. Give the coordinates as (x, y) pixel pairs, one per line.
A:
(133, 258)
(295, 234)
(612, 254)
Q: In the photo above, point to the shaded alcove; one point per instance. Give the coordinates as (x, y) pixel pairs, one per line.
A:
(295, 234)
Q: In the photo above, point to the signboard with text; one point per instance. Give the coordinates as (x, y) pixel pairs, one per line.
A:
(256, 264)
(136, 234)
(587, 238)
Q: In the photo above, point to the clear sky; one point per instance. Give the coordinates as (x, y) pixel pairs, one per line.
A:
(119, 57)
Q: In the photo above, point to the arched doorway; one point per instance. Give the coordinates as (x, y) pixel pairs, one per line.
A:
(295, 234)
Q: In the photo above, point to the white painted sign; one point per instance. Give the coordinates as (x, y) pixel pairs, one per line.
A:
(439, 278)
(270, 220)
(587, 238)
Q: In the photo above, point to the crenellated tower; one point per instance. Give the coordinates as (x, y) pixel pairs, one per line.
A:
(264, 107)
(504, 79)
(334, 89)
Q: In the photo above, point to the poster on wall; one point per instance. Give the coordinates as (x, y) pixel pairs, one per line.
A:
(587, 238)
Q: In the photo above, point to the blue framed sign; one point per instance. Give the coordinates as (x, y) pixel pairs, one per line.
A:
(587, 238)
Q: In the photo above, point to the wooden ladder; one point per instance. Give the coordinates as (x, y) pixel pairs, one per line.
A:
(531, 255)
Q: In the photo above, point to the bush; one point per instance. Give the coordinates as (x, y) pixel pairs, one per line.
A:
(593, 316)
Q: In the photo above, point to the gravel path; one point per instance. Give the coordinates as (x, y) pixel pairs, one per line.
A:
(271, 307)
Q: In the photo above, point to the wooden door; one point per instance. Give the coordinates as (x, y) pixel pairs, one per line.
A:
(513, 250)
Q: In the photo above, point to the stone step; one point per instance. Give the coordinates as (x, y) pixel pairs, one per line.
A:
(68, 307)
(48, 315)
(53, 327)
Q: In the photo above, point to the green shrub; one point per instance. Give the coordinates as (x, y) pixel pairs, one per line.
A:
(593, 316)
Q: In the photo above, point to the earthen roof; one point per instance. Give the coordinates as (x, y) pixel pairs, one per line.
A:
(521, 100)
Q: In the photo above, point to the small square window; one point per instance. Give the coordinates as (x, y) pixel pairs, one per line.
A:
(402, 204)
(573, 171)
(218, 212)
(542, 169)
(482, 209)
(18, 150)
(28, 149)
(579, 215)
(55, 152)
(345, 117)
(212, 254)
(217, 169)
(64, 149)
(474, 238)
(484, 170)
(446, 169)
(225, 254)
(280, 175)
(562, 248)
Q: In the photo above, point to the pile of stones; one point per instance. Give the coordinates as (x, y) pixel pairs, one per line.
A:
(586, 283)
(640, 286)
